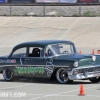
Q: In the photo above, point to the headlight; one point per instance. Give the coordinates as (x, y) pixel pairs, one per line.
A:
(94, 58)
(75, 64)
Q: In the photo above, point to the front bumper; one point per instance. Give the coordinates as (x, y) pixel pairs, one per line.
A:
(85, 74)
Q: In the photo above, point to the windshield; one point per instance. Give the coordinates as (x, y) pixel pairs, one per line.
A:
(59, 49)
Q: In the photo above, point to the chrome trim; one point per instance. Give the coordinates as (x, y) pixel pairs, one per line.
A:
(34, 65)
(82, 67)
(20, 65)
(21, 61)
(84, 75)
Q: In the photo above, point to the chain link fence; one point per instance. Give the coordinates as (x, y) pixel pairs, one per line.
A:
(57, 11)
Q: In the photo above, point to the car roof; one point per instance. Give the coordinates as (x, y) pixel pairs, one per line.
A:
(40, 43)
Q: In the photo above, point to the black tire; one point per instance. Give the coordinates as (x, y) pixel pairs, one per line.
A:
(62, 76)
(8, 75)
(95, 79)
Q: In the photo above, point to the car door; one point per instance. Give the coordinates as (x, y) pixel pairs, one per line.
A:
(26, 64)
(49, 61)
(34, 64)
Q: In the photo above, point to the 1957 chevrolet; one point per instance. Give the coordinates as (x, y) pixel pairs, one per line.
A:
(56, 59)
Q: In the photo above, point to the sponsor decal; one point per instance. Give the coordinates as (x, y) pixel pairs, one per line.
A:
(13, 60)
(49, 67)
(2, 1)
(7, 60)
(68, 1)
(88, 1)
(29, 70)
(47, 1)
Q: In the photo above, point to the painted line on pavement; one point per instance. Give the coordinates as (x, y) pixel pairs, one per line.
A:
(37, 94)
(61, 93)
(14, 87)
(93, 96)
(48, 94)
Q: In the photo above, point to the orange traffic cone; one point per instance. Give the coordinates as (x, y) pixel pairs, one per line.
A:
(98, 51)
(93, 52)
(82, 90)
(80, 52)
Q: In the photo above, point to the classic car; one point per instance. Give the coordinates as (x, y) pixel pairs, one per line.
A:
(53, 59)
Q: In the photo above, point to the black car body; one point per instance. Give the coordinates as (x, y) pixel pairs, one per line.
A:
(49, 59)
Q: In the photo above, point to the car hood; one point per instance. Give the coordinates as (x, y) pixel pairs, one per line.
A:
(74, 56)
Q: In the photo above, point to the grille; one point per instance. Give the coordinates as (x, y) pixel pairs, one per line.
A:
(93, 69)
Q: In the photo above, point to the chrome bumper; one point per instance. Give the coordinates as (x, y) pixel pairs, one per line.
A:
(84, 75)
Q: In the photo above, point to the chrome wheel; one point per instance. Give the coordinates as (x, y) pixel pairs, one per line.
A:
(7, 74)
(62, 76)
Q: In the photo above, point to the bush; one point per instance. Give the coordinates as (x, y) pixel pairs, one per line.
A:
(89, 14)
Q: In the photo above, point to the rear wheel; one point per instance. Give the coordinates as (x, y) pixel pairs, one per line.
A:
(95, 79)
(62, 76)
(8, 75)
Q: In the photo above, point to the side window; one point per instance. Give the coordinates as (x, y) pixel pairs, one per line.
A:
(35, 52)
(65, 47)
(21, 52)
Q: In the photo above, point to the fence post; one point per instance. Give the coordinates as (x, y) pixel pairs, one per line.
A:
(80, 6)
(44, 10)
(10, 9)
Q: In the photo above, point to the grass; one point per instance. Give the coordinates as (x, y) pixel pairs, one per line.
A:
(89, 14)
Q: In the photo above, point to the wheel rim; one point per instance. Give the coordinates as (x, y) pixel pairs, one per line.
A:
(7, 74)
(62, 76)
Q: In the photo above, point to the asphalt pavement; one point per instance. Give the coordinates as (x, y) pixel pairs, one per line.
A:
(84, 32)
(43, 89)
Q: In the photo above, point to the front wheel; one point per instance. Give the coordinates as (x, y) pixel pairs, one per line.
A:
(8, 75)
(62, 76)
(95, 79)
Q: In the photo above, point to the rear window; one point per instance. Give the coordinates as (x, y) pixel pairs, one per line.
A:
(20, 52)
